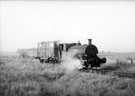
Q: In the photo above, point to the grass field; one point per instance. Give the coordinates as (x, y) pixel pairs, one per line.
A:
(114, 56)
(27, 77)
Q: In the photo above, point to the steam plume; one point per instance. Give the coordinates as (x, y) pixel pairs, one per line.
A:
(69, 62)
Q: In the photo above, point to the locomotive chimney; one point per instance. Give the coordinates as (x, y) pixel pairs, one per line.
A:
(89, 41)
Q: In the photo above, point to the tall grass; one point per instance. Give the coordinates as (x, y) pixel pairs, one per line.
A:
(120, 66)
(28, 77)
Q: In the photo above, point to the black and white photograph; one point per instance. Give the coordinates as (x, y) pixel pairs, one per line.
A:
(67, 48)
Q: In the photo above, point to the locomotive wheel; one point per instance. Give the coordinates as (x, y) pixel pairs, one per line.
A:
(85, 64)
(41, 60)
(89, 66)
(46, 61)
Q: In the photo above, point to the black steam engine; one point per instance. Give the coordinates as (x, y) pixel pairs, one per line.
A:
(88, 55)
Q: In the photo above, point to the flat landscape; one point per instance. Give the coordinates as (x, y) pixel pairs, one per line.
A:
(28, 77)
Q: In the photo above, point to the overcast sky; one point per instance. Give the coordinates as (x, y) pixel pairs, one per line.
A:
(110, 24)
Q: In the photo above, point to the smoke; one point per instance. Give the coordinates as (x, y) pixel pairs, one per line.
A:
(69, 62)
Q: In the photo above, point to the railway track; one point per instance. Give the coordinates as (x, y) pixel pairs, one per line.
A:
(125, 74)
(113, 73)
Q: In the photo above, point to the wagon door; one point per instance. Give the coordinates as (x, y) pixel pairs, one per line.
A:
(56, 50)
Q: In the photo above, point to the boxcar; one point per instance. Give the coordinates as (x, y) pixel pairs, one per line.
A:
(48, 51)
(52, 51)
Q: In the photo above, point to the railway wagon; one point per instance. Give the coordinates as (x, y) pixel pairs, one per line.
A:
(48, 51)
(52, 51)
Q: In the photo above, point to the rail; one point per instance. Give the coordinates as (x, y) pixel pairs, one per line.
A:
(131, 60)
(113, 73)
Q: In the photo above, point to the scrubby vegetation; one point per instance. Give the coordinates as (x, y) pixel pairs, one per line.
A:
(28, 77)
(121, 66)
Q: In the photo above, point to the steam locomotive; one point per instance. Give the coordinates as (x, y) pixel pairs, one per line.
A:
(55, 51)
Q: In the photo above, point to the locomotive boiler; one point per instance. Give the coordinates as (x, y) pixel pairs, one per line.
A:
(87, 54)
